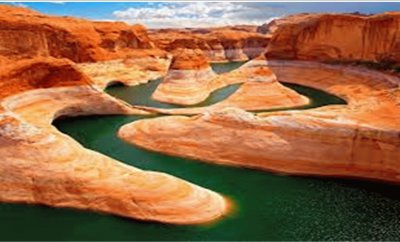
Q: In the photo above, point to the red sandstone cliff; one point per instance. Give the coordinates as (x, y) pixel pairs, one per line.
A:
(187, 81)
(26, 33)
(342, 37)
(188, 59)
(38, 73)
(218, 44)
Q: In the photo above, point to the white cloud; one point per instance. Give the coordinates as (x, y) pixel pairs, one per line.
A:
(197, 14)
(18, 4)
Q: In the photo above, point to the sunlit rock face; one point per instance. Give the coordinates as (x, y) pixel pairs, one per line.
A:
(188, 79)
(233, 43)
(335, 37)
(130, 71)
(360, 139)
(25, 33)
(40, 165)
(108, 52)
(259, 90)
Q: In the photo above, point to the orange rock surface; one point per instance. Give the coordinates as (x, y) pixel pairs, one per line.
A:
(232, 43)
(336, 37)
(260, 90)
(25, 33)
(188, 59)
(187, 80)
(129, 71)
(65, 174)
(360, 139)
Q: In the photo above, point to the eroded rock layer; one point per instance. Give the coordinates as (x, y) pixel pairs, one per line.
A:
(187, 80)
(25, 33)
(335, 37)
(259, 90)
(129, 71)
(361, 139)
(40, 165)
(234, 43)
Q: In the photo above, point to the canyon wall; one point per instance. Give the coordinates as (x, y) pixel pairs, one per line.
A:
(218, 44)
(335, 37)
(25, 33)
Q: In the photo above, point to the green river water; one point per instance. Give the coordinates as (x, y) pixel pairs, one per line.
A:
(269, 206)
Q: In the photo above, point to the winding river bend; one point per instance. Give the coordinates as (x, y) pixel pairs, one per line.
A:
(268, 206)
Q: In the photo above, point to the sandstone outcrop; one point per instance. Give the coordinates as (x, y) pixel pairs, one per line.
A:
(187, 81)
(335, 37)
(234, 43)
(130, 71)
(361, 139)
(25, 33)
(40, 165)
(259, 90)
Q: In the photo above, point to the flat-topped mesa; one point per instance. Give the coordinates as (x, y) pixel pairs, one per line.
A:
(40, 165)
(188, 78)
(25, 33)
(231, 43)
(336, 37)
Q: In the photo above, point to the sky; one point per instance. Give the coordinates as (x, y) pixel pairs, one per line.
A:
(199, 14)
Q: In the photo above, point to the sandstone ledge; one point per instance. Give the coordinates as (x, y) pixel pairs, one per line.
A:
(66, 174)
(361, 139)
(259, 90)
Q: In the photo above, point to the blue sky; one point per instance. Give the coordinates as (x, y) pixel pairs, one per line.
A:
(198, 14)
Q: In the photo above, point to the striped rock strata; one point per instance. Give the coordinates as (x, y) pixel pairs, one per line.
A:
(221, 44)
(40, 165)
(336, 37)
(188, 79)
(259, 90)
(129, 71)
(25, 33)
(361, 139)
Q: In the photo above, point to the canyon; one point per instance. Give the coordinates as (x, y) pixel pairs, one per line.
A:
(59, 67)
(68, 175)
(366, 130)
(234, 43)
(319, 37)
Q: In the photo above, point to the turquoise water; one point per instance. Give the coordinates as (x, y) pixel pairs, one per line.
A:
(226, 67)
(141, 95)
(269, 206)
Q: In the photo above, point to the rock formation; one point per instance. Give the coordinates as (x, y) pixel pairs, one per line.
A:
(130, 71)
(360, 139)
(40, 165)
(40, 82)
(187, 81)
(259, 90)
(336, 37)
(190, 80)
(111, 51)
(235, 43)
(25, 33)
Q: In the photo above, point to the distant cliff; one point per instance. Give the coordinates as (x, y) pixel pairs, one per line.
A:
(234, 43)
(331, 37)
